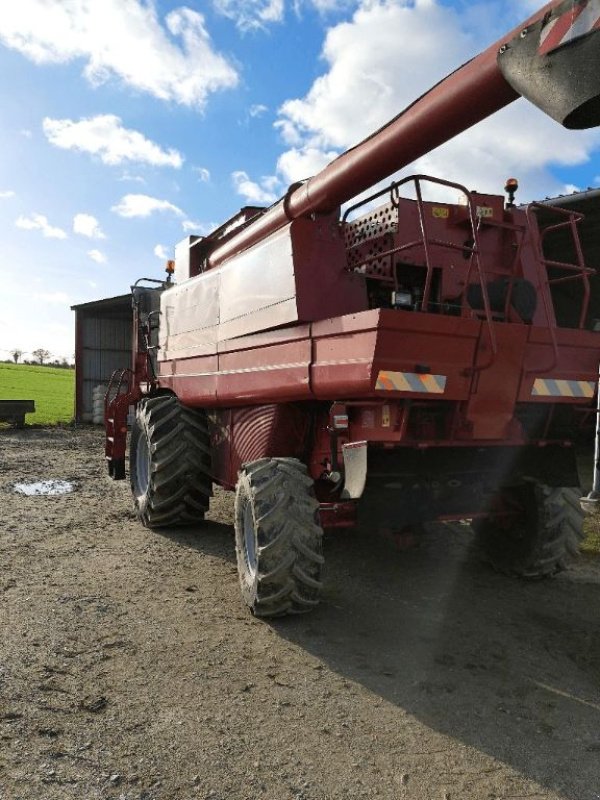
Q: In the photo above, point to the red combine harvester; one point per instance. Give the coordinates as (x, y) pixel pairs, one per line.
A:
(411, 361)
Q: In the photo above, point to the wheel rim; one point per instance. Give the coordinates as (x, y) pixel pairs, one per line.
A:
(250, 554)
(142, 466)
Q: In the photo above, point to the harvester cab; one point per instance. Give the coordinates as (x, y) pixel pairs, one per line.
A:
(417, 359)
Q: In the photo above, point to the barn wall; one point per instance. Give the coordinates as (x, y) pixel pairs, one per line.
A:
(103, 344)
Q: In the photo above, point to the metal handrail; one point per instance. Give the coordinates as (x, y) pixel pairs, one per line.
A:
(574, 218)
(571, 223)
(117, 377)
(425, 242)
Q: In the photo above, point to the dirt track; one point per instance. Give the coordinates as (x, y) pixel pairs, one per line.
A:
(129, 669)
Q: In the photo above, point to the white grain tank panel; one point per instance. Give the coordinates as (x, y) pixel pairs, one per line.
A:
(254, 291)
(261, 319)
(189, 317)
(259, 278)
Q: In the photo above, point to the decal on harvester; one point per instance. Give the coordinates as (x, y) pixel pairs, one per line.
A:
(410, 382)
(546, 387)
(571, 25)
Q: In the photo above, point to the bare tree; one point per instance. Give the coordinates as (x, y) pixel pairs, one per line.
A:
(16, 354)
(40, 354)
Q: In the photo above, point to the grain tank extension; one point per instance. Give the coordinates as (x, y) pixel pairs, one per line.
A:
(410, 360)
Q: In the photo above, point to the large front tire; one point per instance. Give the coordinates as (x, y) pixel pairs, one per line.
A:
(536, 534)
(169, 462)
(279, 543)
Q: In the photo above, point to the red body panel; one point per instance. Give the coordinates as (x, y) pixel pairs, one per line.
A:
(491, 407)
(341, 359)
(577, 357)
(328, 360)
(241, 435)
(462, 365)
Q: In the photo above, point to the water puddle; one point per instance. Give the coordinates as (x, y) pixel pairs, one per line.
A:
(51, 487)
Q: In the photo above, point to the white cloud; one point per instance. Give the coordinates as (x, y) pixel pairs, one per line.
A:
(97, 256)
(141, 205)
(366, 58)
(6, 193)
(202, 173)
(327, 6)
(257, 14)
(266, 191)
(289, 132)
(297, 164)
(162, 252)
(251, 14)
(520, 141)
(133, 178)
(257, 110)
(389, 53)
(26, 133)
(38, 222)
(199, 228)
(123, 39)
(105, 136)
(87, 225)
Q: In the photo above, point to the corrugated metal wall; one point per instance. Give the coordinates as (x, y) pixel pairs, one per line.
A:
(103, 344)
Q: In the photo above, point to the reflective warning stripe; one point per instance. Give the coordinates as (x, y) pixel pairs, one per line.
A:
(547, 387)
(577, 21)
(410, 382)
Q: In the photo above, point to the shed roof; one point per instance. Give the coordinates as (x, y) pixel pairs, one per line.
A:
(121, 301)
(575, 199)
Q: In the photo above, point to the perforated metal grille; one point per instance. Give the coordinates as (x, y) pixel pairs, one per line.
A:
(382, 220)
(369, 236)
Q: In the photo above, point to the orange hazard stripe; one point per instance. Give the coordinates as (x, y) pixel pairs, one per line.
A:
(553, 387)
(410, 382)
(383, 382)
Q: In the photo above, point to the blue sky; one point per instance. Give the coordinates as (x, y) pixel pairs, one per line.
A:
(127, 124)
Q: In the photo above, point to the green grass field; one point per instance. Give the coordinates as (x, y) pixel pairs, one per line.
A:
(52, 389)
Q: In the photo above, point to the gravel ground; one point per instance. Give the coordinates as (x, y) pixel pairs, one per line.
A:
(130, 670)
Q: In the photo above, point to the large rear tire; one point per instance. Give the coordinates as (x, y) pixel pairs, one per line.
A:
(279, 543)
(169, 462)
(538, 534)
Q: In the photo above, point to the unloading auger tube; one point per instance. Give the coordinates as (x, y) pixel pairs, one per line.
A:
(552, 59)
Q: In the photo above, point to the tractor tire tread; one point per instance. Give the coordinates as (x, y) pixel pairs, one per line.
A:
(179, 485)
(550, 540)
(289, 540)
